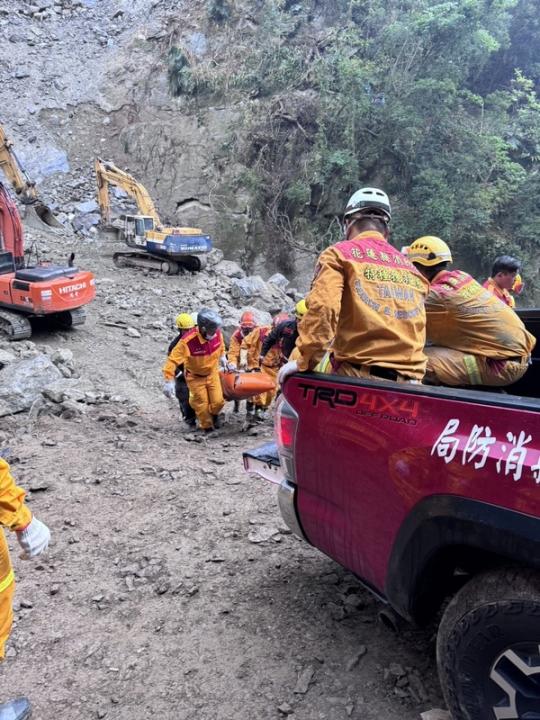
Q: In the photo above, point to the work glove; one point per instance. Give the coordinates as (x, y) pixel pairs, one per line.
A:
(288, 369)
(168, 388)
(225, 365)
(34, 538)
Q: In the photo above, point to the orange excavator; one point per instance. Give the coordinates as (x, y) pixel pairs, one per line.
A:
(57, 292)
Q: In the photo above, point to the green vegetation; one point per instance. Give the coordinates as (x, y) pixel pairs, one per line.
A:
(435, 101)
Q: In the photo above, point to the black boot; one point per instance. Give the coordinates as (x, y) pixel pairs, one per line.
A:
(236, 408)
(18, 709)
(217, 421)
(249, 407)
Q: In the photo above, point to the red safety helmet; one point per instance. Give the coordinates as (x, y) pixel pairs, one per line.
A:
(247, 320)
(279, 318)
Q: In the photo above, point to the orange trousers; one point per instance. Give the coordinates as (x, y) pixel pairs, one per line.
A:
(453, 367)
(7, 588)
(205, 397)
(264, 400)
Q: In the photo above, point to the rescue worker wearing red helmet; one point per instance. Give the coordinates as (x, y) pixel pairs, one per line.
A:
(366, 302)
(269, 365)
(235, 356)
(284, 333)
(201, 352)
(33, 536)
(247, 324)
(475, 339)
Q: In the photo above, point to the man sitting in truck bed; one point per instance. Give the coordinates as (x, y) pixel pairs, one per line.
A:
(366, 301)
(475, 338)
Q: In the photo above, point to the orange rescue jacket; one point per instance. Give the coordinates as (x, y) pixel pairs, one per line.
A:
(464, 316)
(499, 292)
(14, 514)
(367, 300)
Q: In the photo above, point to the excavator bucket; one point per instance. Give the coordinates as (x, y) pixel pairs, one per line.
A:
(40, 216)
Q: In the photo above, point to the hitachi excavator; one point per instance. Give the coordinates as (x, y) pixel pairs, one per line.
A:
(153, 246)
(57, 292)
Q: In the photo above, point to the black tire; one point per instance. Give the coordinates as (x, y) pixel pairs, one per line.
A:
(488, 647)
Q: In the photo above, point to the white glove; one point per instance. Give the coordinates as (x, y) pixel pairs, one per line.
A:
(226, 366)
(288, 369)
(168, 388)
(34, 539)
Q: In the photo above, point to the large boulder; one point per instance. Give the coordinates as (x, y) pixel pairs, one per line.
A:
(252, 290)
(230, 269)
(21, 383)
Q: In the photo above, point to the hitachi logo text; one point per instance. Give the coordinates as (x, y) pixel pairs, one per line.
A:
(72, 288)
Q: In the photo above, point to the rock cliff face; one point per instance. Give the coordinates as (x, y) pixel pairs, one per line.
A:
(99, 79)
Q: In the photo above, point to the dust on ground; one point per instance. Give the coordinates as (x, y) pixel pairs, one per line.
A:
(172, 588)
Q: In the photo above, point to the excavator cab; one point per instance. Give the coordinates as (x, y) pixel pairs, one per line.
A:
(135, 227)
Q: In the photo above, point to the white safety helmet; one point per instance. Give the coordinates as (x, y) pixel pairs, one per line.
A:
(367, 199)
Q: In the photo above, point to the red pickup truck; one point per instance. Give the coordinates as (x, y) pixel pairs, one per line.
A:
(431, 496)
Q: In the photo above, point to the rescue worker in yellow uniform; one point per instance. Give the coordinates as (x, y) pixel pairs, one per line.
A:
(235, 356)
(475, 339)
(504, 279)
(201, 352)
(184, 322)
(269, 364)
(366, 303)
(33, 536)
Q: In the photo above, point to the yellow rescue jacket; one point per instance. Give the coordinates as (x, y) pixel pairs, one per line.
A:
(500, 293)
(253, 344)
(197, 355)
(14, 514)
(464, 316)
(233, 356)
(368, 299)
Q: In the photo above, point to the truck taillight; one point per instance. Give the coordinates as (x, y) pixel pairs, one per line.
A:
(286, 421)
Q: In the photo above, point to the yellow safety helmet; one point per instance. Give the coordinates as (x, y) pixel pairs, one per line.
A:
(300, 308)
(428, 250)
(184, 321)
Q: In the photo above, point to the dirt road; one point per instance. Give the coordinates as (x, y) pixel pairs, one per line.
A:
(172, 588)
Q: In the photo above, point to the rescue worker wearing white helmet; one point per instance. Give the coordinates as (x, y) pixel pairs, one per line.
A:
(185, 323)
(366, 303)
(475, 339)
(201, 352)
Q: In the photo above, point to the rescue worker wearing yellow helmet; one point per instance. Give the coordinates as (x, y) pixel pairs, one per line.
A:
(475, 339)
(185, 323)
(33, 536)
(267, 362)
(201, 352)
(366, 302)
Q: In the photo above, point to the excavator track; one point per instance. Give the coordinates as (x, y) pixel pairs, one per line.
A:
(14, 325)
(69, 318)
(193, 263)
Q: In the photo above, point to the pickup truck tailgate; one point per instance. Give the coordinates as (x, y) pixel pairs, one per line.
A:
(264, 462)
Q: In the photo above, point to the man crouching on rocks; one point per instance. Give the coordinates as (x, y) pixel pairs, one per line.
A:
(33, 537)
(201, 351)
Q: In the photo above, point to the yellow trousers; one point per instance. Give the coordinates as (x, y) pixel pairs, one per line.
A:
(205, 397)
(453, 367)
(361, 371)
(264, 400)
(7, 588)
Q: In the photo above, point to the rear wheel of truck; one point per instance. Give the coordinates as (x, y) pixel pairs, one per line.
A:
(488, 647)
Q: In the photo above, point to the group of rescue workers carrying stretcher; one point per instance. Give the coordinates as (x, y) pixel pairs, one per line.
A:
(372, 311)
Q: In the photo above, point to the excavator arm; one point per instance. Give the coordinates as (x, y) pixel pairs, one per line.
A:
(36, 212)
(108, 174)
(14, 171)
